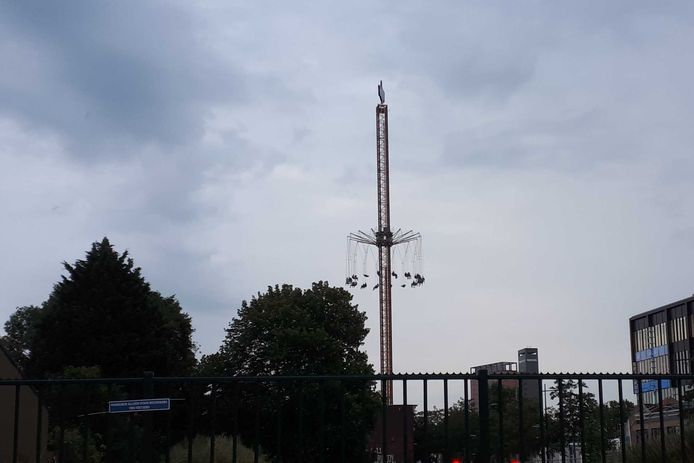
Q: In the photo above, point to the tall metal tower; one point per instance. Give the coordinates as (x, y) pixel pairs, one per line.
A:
(384, 240)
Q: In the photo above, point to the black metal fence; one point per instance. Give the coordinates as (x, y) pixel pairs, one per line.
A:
(480, 417)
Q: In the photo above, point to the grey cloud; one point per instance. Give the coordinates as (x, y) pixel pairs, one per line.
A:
(463, 54)
(112, 74)
(497, 109)
(128, 87)
(568, 143)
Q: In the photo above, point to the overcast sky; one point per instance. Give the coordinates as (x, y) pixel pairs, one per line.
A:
(543, 150)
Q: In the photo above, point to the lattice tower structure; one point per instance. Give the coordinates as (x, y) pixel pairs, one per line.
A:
(384, 243)
(384, 240)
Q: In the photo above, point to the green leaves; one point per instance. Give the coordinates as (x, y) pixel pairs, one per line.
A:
(20, 332)
(289, 331)
(102, 314)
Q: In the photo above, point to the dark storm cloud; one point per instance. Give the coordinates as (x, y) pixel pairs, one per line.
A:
(131, 88)
(107, 75)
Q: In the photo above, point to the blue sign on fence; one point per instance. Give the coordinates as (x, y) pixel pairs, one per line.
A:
(142, 405)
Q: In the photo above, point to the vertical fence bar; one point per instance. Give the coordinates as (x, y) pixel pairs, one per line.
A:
(581, 420)
(483, 388)
(500, 416)
(642, 431)
(425, 438)
(61, 424)
(521, 430)
(384, 419)
(562, 427)
(131, 440)
(343, 426)
(603, 451)
(662, 420)
(108, 456)
(256, 435)
(321, 432)
(278, 431)
(15, 436)
(213, 418)
(467, 420)
(622, 437)
(300, 417)
(87, 420)
(405, 415)
(191, 422)
(445, 420)
(236, 391)
(39, 423)
(683, 447)
(541, 407)
(148, 393)
(85, 441)
(167, 440)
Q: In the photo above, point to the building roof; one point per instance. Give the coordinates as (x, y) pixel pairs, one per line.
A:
(660, 309)
(497, 367)
(5, 353)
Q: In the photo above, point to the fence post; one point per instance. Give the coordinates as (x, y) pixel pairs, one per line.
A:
(483, 389)
(148, 392)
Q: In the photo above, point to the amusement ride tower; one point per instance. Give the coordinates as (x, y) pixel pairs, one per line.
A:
(384, 240)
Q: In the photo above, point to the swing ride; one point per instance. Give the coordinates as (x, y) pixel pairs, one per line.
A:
(373, 252)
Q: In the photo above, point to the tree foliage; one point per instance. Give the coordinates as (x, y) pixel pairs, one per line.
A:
(441, 432)
(20, 331)
(578, 422)
(581, 421)
(289, 331)
(102, 319)
(102, 314)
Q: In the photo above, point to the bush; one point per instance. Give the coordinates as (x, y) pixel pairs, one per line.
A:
(223, 447)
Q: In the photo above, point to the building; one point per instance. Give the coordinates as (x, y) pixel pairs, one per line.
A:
(651, 421)
(527, 360)
(509, 368)
(661, 343)
(527, 363)
(28, 416)
(395, 441)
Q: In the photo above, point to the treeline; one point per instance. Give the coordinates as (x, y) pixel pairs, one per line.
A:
(103, 319)
(582, 426)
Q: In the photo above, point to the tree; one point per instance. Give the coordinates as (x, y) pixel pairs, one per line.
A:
(503, 401)
(20, 332)
(289, 331)
(581, 421)
(103, 314)
(101, 319)
(573, 419)
(614, 420)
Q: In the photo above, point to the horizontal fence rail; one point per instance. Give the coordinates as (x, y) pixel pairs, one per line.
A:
(436, 417)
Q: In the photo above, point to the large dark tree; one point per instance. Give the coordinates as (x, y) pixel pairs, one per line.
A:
(289, 331)
(20, 332)
(104, 314)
